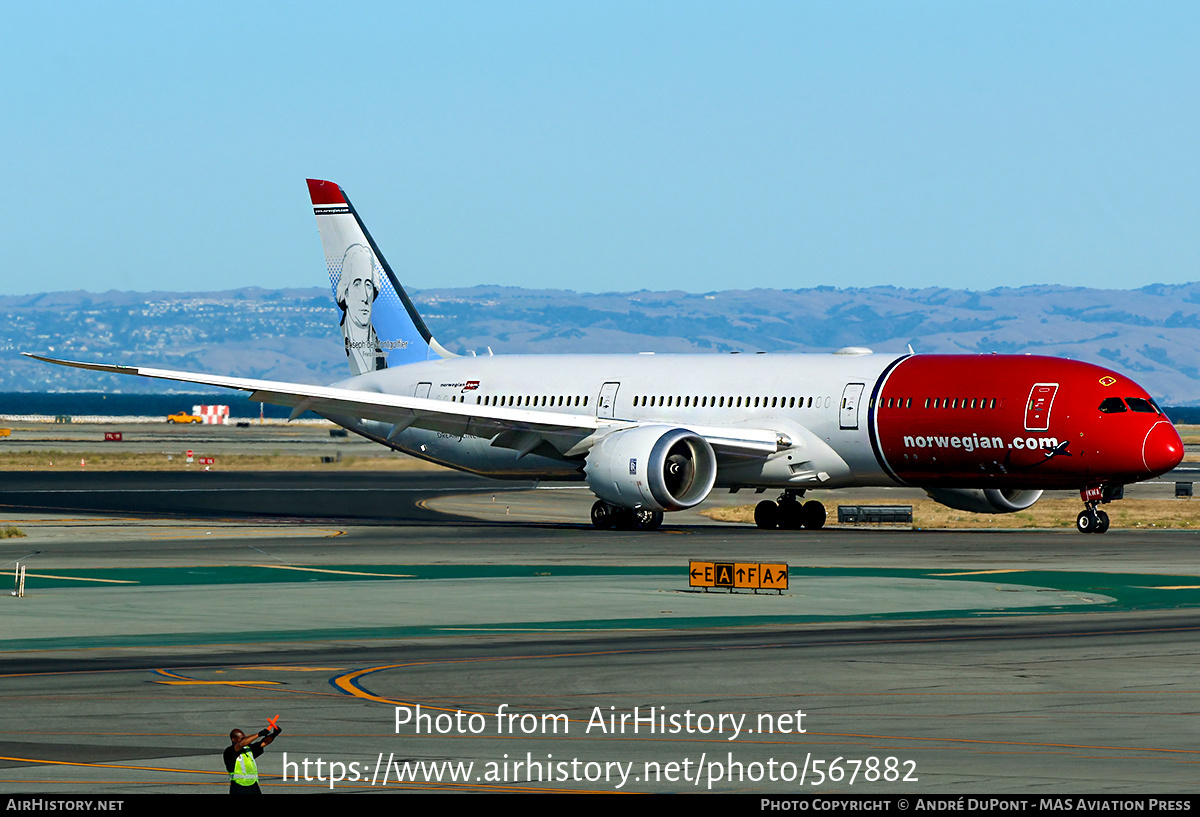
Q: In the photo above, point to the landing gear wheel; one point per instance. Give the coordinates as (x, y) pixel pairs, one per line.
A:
(791, 514)
(1102, 523)
(602, 515)
(766, 515)
(1087, 521)
(624, 518)
(814, 515)
(648, 520)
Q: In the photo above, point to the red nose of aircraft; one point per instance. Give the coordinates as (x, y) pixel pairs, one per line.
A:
(1162, 449)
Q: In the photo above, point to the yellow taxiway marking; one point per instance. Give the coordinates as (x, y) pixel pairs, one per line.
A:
(109, 766)
(78, 578)
(1171, 587)
(978, 572)
(105, 521)
(231, 533)
(217, 683)
(183, 680)
(341, 572)
(294, 669)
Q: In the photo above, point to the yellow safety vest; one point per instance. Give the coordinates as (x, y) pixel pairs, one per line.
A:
(245, 770)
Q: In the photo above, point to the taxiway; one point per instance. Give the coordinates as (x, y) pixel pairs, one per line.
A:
(977, 661)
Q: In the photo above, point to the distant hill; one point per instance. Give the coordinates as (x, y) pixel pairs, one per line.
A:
(1152, 333)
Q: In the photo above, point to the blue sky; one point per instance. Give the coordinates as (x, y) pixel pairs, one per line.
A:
(603, 146)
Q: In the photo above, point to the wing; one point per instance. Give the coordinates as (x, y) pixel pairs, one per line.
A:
(523, 430)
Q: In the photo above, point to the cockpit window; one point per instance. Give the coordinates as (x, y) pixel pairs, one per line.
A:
(1140, 404)
(1112, 405)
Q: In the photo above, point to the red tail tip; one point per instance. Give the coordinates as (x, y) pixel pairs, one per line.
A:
(323, 192)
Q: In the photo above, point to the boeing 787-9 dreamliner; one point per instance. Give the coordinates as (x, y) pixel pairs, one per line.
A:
(651, 433)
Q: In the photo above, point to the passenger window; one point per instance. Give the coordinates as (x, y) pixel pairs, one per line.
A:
(1112, 405)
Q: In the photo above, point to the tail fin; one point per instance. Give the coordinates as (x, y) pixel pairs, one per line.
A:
(380, 325)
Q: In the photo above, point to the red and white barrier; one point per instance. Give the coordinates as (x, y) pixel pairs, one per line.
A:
(213, 415)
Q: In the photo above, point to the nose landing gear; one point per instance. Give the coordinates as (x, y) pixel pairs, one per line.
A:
(1090, 519)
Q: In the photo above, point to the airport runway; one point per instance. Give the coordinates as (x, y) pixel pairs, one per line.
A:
(927, 662)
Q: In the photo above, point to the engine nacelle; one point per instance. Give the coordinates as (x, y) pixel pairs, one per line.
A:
(656, 467)
(987, 500)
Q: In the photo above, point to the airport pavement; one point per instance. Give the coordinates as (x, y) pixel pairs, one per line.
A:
(932, 662)
(395, 496)
(306, 438)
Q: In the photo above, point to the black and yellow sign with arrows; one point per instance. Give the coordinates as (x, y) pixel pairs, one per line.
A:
(738, 575)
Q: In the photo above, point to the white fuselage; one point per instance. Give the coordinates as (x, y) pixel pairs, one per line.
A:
(801, 396)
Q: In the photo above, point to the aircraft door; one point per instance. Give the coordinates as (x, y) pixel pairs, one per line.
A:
(422, 390)
(606, 404)
(1037, 410)
(850, 399)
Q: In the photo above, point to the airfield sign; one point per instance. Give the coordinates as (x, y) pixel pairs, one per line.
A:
(738, 575)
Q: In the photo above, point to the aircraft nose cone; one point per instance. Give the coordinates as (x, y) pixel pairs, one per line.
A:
(1162, 450)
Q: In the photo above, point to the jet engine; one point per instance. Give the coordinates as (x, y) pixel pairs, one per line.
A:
(659, 468)
(987, 500)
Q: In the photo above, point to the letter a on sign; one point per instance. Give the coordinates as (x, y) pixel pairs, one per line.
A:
(775, 577)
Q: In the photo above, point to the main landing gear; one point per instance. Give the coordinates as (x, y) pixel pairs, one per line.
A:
(1091, 519)
(608, 517)
(787, 513)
